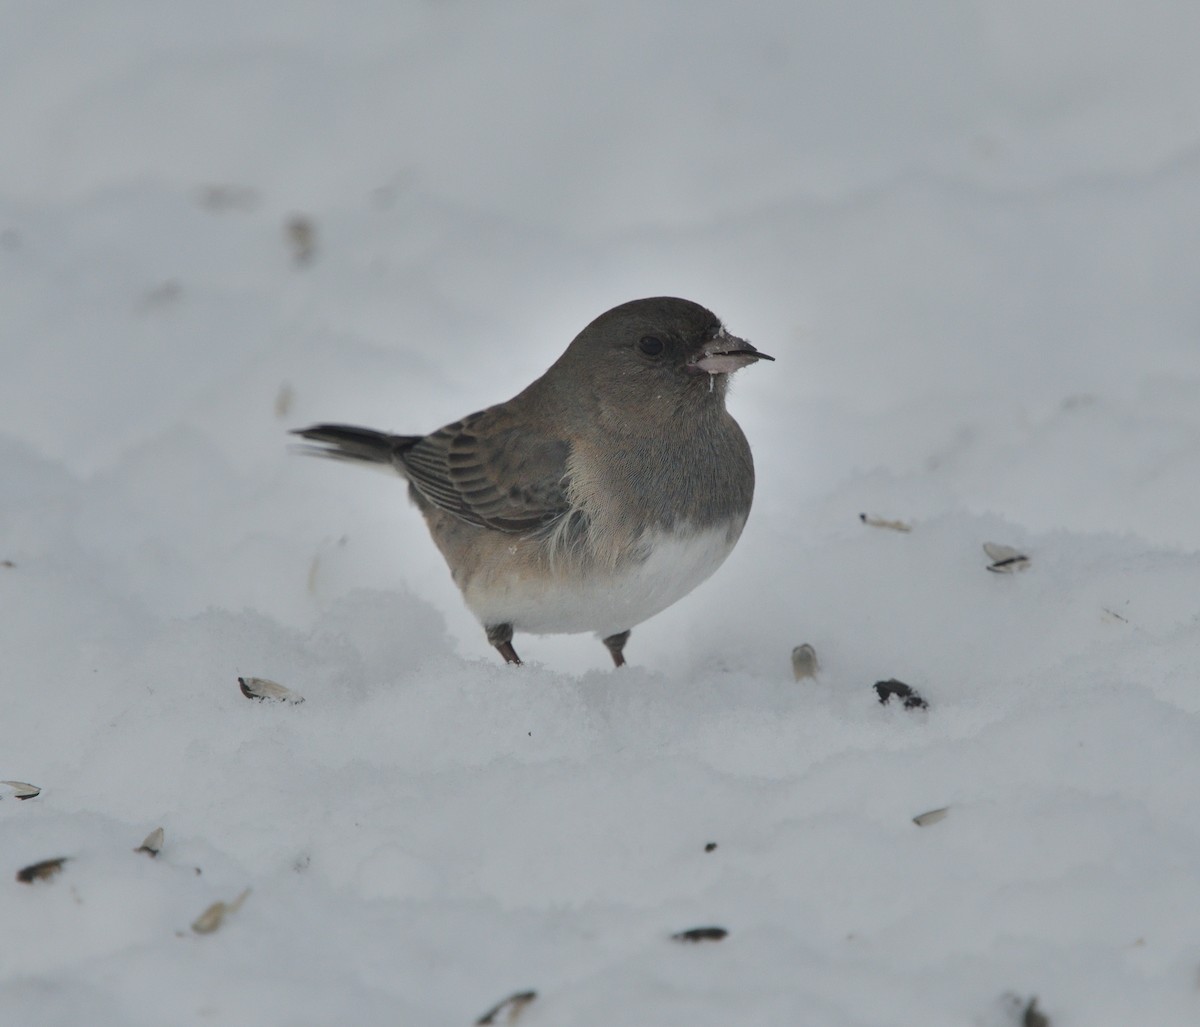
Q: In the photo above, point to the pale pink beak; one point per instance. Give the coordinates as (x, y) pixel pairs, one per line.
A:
(725, 354)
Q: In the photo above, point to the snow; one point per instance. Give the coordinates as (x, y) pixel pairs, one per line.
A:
(967, 232)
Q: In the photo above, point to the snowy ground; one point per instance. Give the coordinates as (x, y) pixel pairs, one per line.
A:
(969, 233)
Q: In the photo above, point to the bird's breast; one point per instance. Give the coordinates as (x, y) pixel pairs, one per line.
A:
(573, 596)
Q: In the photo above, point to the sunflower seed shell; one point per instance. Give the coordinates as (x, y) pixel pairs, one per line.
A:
(264, 688)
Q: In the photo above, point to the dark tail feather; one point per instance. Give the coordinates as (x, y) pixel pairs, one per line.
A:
(345, 442)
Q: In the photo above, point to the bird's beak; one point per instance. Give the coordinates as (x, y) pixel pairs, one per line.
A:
(724, 354)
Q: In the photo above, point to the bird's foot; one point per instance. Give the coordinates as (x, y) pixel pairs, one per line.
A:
(616, 647)
(500, 635)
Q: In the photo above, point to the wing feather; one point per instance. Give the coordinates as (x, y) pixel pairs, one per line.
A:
(491, 473)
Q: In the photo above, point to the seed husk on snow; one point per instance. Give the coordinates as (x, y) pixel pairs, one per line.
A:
(42, 871)
(883, 522)
(804, 662)
(153, 844)
(284, 399)
(1022, 1012)
(211, 918)
(301, 235)
(228, 197)
(515, 1002)
(931, 816)
(264, 688)
(886, 689)
(21, 790)
(695, 934)
(1005, 559)
(1034, 1017)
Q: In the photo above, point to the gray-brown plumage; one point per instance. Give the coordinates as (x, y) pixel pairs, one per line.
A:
(598, 496)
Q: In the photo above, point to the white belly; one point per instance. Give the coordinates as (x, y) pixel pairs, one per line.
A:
(607, 601)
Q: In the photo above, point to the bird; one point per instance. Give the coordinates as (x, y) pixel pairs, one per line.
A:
(600, 495)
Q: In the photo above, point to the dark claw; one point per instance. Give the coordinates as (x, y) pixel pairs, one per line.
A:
(616, 646)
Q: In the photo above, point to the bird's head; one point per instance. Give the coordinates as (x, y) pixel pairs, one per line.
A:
(657, 352)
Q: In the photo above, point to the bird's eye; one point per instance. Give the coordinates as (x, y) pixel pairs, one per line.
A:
(651, 345)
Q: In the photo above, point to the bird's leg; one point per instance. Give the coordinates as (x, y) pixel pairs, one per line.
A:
(616, 646)
(509, 653)
(500, 635)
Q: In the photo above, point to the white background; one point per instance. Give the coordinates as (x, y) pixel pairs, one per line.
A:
(970, 234)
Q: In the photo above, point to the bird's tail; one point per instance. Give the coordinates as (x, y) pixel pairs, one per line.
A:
(345, 442)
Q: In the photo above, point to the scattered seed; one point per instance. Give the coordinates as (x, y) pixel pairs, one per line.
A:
(42, 871)
(162, 295)
(710, 847)
(514, 1004)
(1005, 559)
(804, 662)
(21, 790)
(882, 522)
(302, 237)
(211, 918)
(153, 844)
(931, 817)
(228, 197)
(1033, 1017)
(912, 701)
(262, 688)
(695, 934)
(284, 399)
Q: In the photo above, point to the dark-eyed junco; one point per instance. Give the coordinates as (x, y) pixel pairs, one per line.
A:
(606, 491)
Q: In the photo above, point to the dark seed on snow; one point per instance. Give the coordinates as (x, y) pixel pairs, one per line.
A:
(514, 1004)
(701, 934)
(886, 689)
(42, 871)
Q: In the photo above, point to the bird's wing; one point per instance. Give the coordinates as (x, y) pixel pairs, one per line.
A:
(491, 472)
